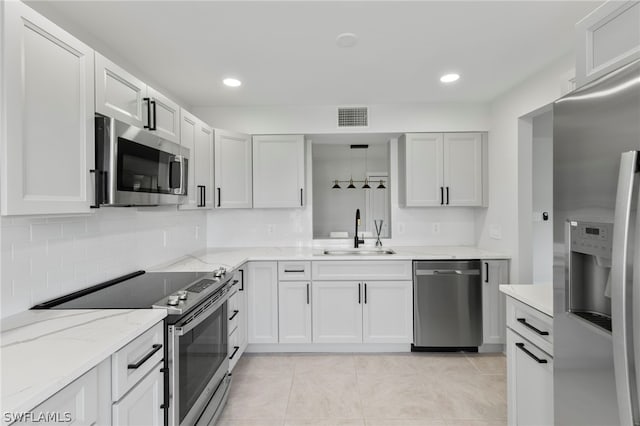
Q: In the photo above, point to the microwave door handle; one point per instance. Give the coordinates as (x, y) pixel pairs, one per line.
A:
(621, 303)
(182, 162)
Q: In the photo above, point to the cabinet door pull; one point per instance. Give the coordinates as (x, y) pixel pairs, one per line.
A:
(241, 280)
(219, 191)
(524, 322)
(155, 348)
(200, 190)
(308, 298)
(486, 272)
(359, 294)
(153, 103)
(442, 195)
(365, 293)
(204, 196)
(301, 197)
(235, 312)
(235, 350)
(447, 195)
(148, 125)
(526, 351)
(297, 271)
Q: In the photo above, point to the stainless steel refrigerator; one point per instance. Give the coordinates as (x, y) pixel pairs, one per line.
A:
(596, 139)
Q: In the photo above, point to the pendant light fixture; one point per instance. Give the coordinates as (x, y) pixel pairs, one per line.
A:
(351, 181)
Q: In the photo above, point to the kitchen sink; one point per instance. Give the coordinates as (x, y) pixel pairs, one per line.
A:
(358, 252)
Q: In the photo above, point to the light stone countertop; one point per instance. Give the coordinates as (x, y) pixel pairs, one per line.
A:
(233, 257)
(42, 351)
(538, 296)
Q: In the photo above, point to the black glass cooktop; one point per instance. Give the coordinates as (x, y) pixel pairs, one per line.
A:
(139, 290)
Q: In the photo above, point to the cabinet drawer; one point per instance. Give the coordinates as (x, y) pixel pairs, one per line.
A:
(294, 271)
(361, 270)
(530, 324)
(131, 363)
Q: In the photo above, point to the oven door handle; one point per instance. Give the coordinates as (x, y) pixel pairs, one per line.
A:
(180, 329)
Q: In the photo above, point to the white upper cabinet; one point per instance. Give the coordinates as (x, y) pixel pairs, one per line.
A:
(124, 97)
(197, 137)
(233, 182)
(463, 169)
(442, 169)
(119, 94)
(421, 156)
(48, 120)
(608, 38)
(165, 115)
(278, 171)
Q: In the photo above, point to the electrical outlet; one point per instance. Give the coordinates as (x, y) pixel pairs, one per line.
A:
(271, 229)
(400, 228)
(197, 236)
(164, 238)
(436, 228)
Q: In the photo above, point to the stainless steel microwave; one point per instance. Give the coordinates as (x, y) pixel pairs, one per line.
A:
(137, 168)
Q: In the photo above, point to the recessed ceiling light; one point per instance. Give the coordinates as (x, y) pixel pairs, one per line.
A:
(347, 40)
(449, 78)
(232, 82)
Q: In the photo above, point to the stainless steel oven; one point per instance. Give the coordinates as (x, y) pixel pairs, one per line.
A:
(198, 362)
(137, 168)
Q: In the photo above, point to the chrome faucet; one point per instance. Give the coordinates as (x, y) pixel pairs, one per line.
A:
(357, 241)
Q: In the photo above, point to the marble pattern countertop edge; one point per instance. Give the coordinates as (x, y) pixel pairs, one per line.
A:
(42, 351)
(538, 296)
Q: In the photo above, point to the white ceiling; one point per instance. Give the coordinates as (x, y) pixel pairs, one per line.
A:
(285, 52)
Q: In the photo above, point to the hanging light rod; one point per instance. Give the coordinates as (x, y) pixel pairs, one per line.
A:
(336, 184)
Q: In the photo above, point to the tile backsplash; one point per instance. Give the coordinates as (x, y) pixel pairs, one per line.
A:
(46, 257)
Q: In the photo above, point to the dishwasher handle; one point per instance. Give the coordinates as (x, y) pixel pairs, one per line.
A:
(447, 272)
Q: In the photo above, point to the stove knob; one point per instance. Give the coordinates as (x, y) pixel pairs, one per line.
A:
(219, 272)
(182, 295)
(173, 300)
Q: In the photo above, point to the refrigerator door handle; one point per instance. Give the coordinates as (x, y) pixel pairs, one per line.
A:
(621, 303)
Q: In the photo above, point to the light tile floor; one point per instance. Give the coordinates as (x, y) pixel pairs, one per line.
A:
(368, 390)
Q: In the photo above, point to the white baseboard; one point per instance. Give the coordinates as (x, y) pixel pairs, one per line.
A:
(327, 347)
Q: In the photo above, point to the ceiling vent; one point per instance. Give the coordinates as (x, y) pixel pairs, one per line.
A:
(353, 117)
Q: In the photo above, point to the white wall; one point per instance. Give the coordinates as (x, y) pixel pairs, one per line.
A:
(503, 212)
(542, 199)
(46, 257)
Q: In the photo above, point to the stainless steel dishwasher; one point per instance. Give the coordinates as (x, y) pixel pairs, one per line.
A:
(447, 305)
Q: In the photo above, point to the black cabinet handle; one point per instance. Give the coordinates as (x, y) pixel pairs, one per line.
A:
(155, 348)
(235, 312)
(234, 282)
(486, 270)
(447, 195)
(365, 293)
(526, 351)
(153, 103)
(301, 198)
(201, 193)
(359, 294)
(537, 330)
(219, 196)
(235, 350)
(308, 298)
(442, 195)
(241, 280)
(148, 125)
(298, 271)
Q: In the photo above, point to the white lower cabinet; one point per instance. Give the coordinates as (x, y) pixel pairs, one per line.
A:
(529, 366)
(142, 405)
(262, 301)
(337, 311)
(494, 273)
(387, 313)
(294, 311)
(237, 314)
